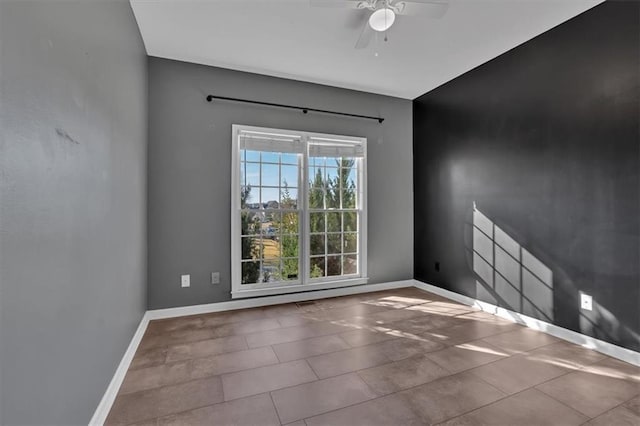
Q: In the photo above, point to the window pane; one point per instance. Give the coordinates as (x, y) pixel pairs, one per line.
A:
(271, 270)
(316, 222)
(289, 158)
(270, 175)
(252, 156)
(249, 226)
(350, 264)
(290, 269)
(289, 176)
(332, 177)
(350, 221)
(289, 198)
(289, 245)
(316, 199)
(334, 243)
(289, 224)
(316, 177)
(270, 249)
(252, 174)
(250, 248)
(250, 272)
(317, 243)
(333, 198)
(317, 267)
(247, 198)
(334, 222)
(271, 225)
(269, 198)
(350, 243)
(334, 266)
(270, 157)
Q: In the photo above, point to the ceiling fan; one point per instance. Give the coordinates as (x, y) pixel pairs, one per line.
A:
(383, 13)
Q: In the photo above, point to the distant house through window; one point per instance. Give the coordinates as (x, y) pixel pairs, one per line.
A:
(298, 211)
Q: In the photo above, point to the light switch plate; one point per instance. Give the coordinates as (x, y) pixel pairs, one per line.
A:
(586, 302)
(215, 278)
(185, 280)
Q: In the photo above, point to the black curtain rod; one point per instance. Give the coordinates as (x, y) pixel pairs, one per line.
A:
(305, 110)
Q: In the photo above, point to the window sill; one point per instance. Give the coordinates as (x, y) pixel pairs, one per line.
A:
(298, 288)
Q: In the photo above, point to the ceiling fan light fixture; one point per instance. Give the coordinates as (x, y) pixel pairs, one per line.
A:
(382, 19)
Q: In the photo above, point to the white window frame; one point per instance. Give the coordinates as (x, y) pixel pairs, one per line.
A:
(304, 283)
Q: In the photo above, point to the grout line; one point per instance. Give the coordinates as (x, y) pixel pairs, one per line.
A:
(275, 408)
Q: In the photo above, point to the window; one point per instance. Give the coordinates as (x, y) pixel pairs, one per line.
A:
(298, 211)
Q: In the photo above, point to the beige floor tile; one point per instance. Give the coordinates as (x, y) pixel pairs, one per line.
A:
(246, 327)
(467, 331)
(406, 347)
(280, 335)
(265, 379)
(568, 355)
(400, 375)
(175, 337)
(450, 396)
(363, 337)
(393, 315)
(387, 411)
(168, 325)
(149, 358)
(590, 394)
(619, 416)
(517, 373)
(311, 399)
(309, 347)
(634, 405)
(466, 356)
(218, 318)
(163, 401)
(252, 411)
(530, 408)
(233, 361)
(341, 362)
(154, 377)
(426, 322)
(614, 368)
(521, 340)
(205, 348)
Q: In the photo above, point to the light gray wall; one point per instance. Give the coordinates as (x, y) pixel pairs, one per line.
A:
(190, 167)
(73, 200)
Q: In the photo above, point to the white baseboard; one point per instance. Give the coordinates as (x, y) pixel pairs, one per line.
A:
(274, 300)
(601, 346)
(101, 413)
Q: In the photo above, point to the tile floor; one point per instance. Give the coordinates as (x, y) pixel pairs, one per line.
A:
(399, 357)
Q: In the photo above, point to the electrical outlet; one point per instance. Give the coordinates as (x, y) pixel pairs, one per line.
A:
(215, 278)
(586, 302)
(185, 280)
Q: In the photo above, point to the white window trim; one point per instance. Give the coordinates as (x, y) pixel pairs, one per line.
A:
(239, 290)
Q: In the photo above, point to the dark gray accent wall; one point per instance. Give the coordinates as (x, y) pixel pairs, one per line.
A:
(545, 140)
(190, 167)
(73, 105)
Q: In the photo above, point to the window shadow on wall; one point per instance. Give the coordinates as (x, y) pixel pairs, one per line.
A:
(509, 275)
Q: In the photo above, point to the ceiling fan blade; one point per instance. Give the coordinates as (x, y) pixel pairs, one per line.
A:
(430, 8)
(366, 35)
(345, 4)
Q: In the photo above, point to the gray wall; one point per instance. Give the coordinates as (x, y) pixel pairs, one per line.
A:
(545, 139)
(72, 209)
(190, 168)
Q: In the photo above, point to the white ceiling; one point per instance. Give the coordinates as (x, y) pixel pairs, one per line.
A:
(288, 38)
